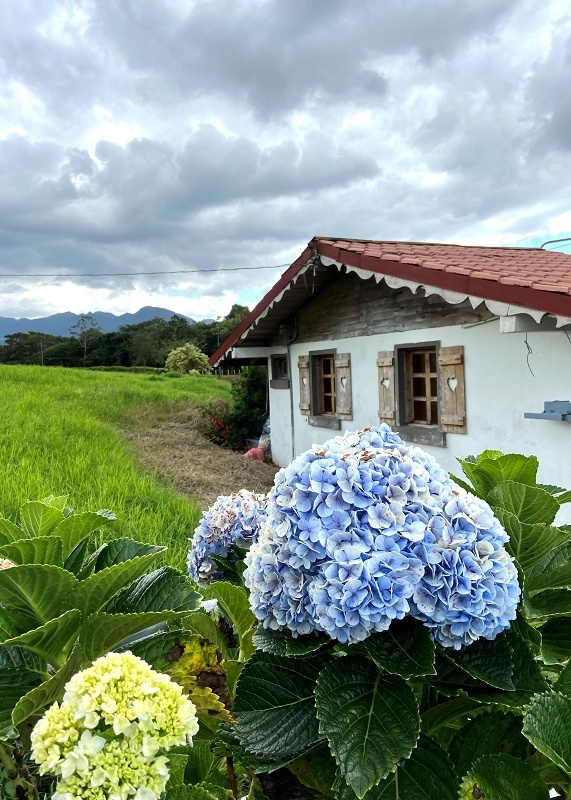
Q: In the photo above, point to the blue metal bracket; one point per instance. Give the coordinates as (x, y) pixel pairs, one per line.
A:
(553, 409)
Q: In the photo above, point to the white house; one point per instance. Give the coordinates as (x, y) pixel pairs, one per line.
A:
(451, 345)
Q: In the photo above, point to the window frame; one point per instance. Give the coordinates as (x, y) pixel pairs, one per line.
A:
(279, 378)
(317, 416)
(416, 431)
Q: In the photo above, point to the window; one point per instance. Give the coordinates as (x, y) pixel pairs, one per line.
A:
(279, 372)
(325, 388)
(421, 391)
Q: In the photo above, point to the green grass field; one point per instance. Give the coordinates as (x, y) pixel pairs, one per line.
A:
(58, 436)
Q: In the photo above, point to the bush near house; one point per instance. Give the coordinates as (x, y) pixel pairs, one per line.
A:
(231, 424)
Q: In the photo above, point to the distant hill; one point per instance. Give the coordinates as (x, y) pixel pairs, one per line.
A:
(59, 324)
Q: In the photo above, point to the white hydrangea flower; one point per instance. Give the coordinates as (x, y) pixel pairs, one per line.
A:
(104, 741)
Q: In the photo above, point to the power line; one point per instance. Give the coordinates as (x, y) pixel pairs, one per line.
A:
(133, 274)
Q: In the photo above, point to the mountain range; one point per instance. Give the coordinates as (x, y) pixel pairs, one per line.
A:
(59, 324)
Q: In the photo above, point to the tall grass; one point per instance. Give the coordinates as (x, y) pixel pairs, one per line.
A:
(58, 436)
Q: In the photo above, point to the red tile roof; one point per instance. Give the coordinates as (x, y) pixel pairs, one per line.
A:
(528, 277)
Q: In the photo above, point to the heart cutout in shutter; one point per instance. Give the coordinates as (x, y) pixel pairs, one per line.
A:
(452, 384)
(304, 381)
(343, 382)
(385, 383)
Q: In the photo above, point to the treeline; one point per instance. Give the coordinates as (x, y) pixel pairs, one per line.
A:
(146, 344)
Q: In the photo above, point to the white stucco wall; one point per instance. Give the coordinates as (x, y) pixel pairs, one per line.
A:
(499, 388)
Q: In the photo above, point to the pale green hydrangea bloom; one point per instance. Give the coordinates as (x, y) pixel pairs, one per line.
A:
(105, 740)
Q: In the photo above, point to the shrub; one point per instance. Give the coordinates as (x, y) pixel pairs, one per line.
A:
(187, 358)
(231, 425)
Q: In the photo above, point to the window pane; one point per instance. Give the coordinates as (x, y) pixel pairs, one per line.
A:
(327, 385)
(434, 413)
(418, 362)
(420, 411)
(433, 361)
(434, 387)
(327, 366)
(418, 387)
(327, 404)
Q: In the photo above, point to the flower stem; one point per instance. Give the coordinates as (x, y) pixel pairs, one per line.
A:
(9, 760)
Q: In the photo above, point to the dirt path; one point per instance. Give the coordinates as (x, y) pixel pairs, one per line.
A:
(195, 467)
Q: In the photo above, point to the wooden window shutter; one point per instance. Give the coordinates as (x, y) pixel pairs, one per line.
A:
(453, 397)
(344, 405)
(304, 385)
(386, 380)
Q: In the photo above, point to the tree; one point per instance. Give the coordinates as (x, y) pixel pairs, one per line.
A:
(86, 330)
(187, 358)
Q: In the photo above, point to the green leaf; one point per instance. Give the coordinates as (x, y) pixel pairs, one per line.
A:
(563, 682)
(46, 550)
(370, 720)
(53, 639)
(102, 632)
(463, 485)
(34, 593)
(123, 550)
(530, 544)
(487, 661)
(233, 604)
(94, 592)
(48, 692)
(39, 519)
(275, 706)
(406, 649)
(78, 526)
(200, 762)
(11, 532)
(552, 579)
(427, 775)
(227, 744)
(164, 589)
(489, 472)
(154, 649)
(555, 640)
(202, 623)
(557, 557)
(448, 713)
(233, 670)
(16, 686)
(282, 643)
(528, 503)
(503, 777)
(316, 770)
(547, 725)
(489, 733)
(74, 562)
(551, 603)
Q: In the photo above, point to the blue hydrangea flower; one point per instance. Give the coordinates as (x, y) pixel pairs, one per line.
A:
(365, 529)
(233, 521)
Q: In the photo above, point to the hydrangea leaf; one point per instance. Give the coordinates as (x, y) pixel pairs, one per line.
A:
(406, 649)
(487, 661)
(94, 592)
(76, 527)
(371, 720)
(530, 544)
(48, 692)
(275, 705)
(75, 560)
(489, 733)
(557, 557)
(447, 713)
(202, 623)
(12, 687)
(34, 593)
(551, 603)
(503, 777)
(201, 762)
(557, 578)
(209, 708)
(234, 605)
(103, 632)
(45, 550)
(487, 473)
(10, 532)
(39, 519)
(164, 589)
(177, 766)
(316, 770)
(158, 649)
(282, 643)
(563, 682)
(52, 640)
(556, 640)
(427, 775)
(227, 744)
(528, 503)
(123, 550)
(233, 670)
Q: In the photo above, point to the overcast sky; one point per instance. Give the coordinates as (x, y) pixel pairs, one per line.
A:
(164, 135)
